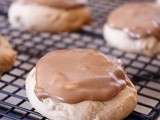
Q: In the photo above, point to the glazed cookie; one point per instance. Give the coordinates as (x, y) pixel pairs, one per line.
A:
(80, 84)
(49, 16)
(134, 27)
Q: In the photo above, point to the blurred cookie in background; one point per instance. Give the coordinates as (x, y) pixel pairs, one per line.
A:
(134, 27)
(7, 55)
(49, 16)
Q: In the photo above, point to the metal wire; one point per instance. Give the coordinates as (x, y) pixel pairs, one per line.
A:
(144, 71)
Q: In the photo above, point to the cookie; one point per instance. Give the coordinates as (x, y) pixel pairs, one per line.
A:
(134, 27)
(54, 18)
(7, 55)
(80, 84)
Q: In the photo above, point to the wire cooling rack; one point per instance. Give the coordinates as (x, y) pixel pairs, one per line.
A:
(144, 71)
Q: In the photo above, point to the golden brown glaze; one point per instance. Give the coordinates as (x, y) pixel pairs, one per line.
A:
(75, 75)
(65, 4)
(137, 19)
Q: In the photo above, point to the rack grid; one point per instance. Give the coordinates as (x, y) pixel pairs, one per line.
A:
(143, 71)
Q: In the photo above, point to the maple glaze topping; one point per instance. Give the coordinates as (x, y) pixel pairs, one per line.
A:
(138, 20)
(72, 76)
(64, 4)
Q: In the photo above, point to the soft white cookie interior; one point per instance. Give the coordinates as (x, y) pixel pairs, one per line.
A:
(117, 108)
(119, 39)
(158, 1)
(82, 1)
